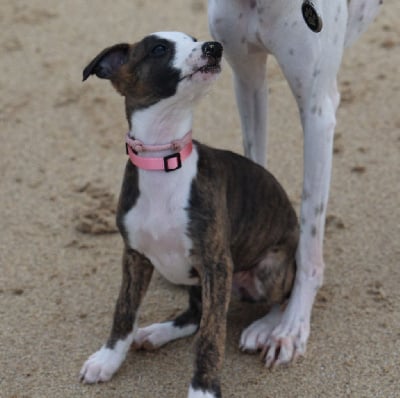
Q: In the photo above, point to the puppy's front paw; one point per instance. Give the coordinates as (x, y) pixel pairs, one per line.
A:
(198, 393)
(101, 366)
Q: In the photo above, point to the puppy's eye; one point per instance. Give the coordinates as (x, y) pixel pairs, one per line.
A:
(159, 49)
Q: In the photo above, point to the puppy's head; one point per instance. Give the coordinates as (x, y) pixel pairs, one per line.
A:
(162, 65)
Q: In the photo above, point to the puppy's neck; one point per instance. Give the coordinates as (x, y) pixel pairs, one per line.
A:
(161, 123)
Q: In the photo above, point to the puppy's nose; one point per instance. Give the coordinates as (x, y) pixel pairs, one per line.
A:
(212, 48)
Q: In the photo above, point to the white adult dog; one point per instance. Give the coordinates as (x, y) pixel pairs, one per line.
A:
(307, 40)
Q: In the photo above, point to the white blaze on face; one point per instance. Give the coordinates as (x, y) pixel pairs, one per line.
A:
(189, 57)
(185, 45)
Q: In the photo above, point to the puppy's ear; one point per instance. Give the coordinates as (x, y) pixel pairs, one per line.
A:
(108, 62)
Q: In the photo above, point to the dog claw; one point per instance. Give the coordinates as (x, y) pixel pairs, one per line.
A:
(279, 343)
(101, 366)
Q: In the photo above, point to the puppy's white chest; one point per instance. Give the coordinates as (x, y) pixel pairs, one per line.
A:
(157, 224)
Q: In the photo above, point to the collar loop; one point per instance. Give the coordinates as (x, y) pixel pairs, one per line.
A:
(175, 145)
(172, 162)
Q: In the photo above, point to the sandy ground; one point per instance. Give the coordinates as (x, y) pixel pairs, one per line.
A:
(61, 162)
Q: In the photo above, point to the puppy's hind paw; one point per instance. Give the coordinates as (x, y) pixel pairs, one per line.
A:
(156, 335)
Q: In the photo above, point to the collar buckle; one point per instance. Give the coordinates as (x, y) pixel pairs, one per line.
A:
(172, 162)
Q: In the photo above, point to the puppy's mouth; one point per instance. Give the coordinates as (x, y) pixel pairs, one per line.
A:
(213, 66)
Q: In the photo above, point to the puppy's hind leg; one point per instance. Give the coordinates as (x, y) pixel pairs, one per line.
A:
(273, 281)
(156, 335)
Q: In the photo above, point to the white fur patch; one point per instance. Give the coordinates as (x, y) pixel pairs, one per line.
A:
(157, 224)
(102, 365)
(189, 57)
(185, 49)
(200, 394)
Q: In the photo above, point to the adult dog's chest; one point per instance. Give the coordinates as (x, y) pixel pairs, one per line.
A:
(157, 224)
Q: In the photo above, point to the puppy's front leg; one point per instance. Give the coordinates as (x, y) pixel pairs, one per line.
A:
(101, 365)
(216, 282)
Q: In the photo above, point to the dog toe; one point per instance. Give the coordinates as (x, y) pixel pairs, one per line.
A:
(101, 366)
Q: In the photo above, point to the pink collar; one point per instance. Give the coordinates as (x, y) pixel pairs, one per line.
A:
(183, 148)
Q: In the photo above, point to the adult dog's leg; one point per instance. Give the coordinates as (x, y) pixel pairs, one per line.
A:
(283, 336)
(310, 64)
(361, 14)
(248, 62)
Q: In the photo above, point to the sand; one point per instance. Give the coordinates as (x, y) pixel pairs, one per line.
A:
(61, 162)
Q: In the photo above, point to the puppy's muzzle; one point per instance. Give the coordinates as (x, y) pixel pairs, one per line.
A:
(212, 54)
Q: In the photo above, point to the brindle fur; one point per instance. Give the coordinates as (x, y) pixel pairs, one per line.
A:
(228, 232)
(133, 75)
(229, 235)
(136, 276)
